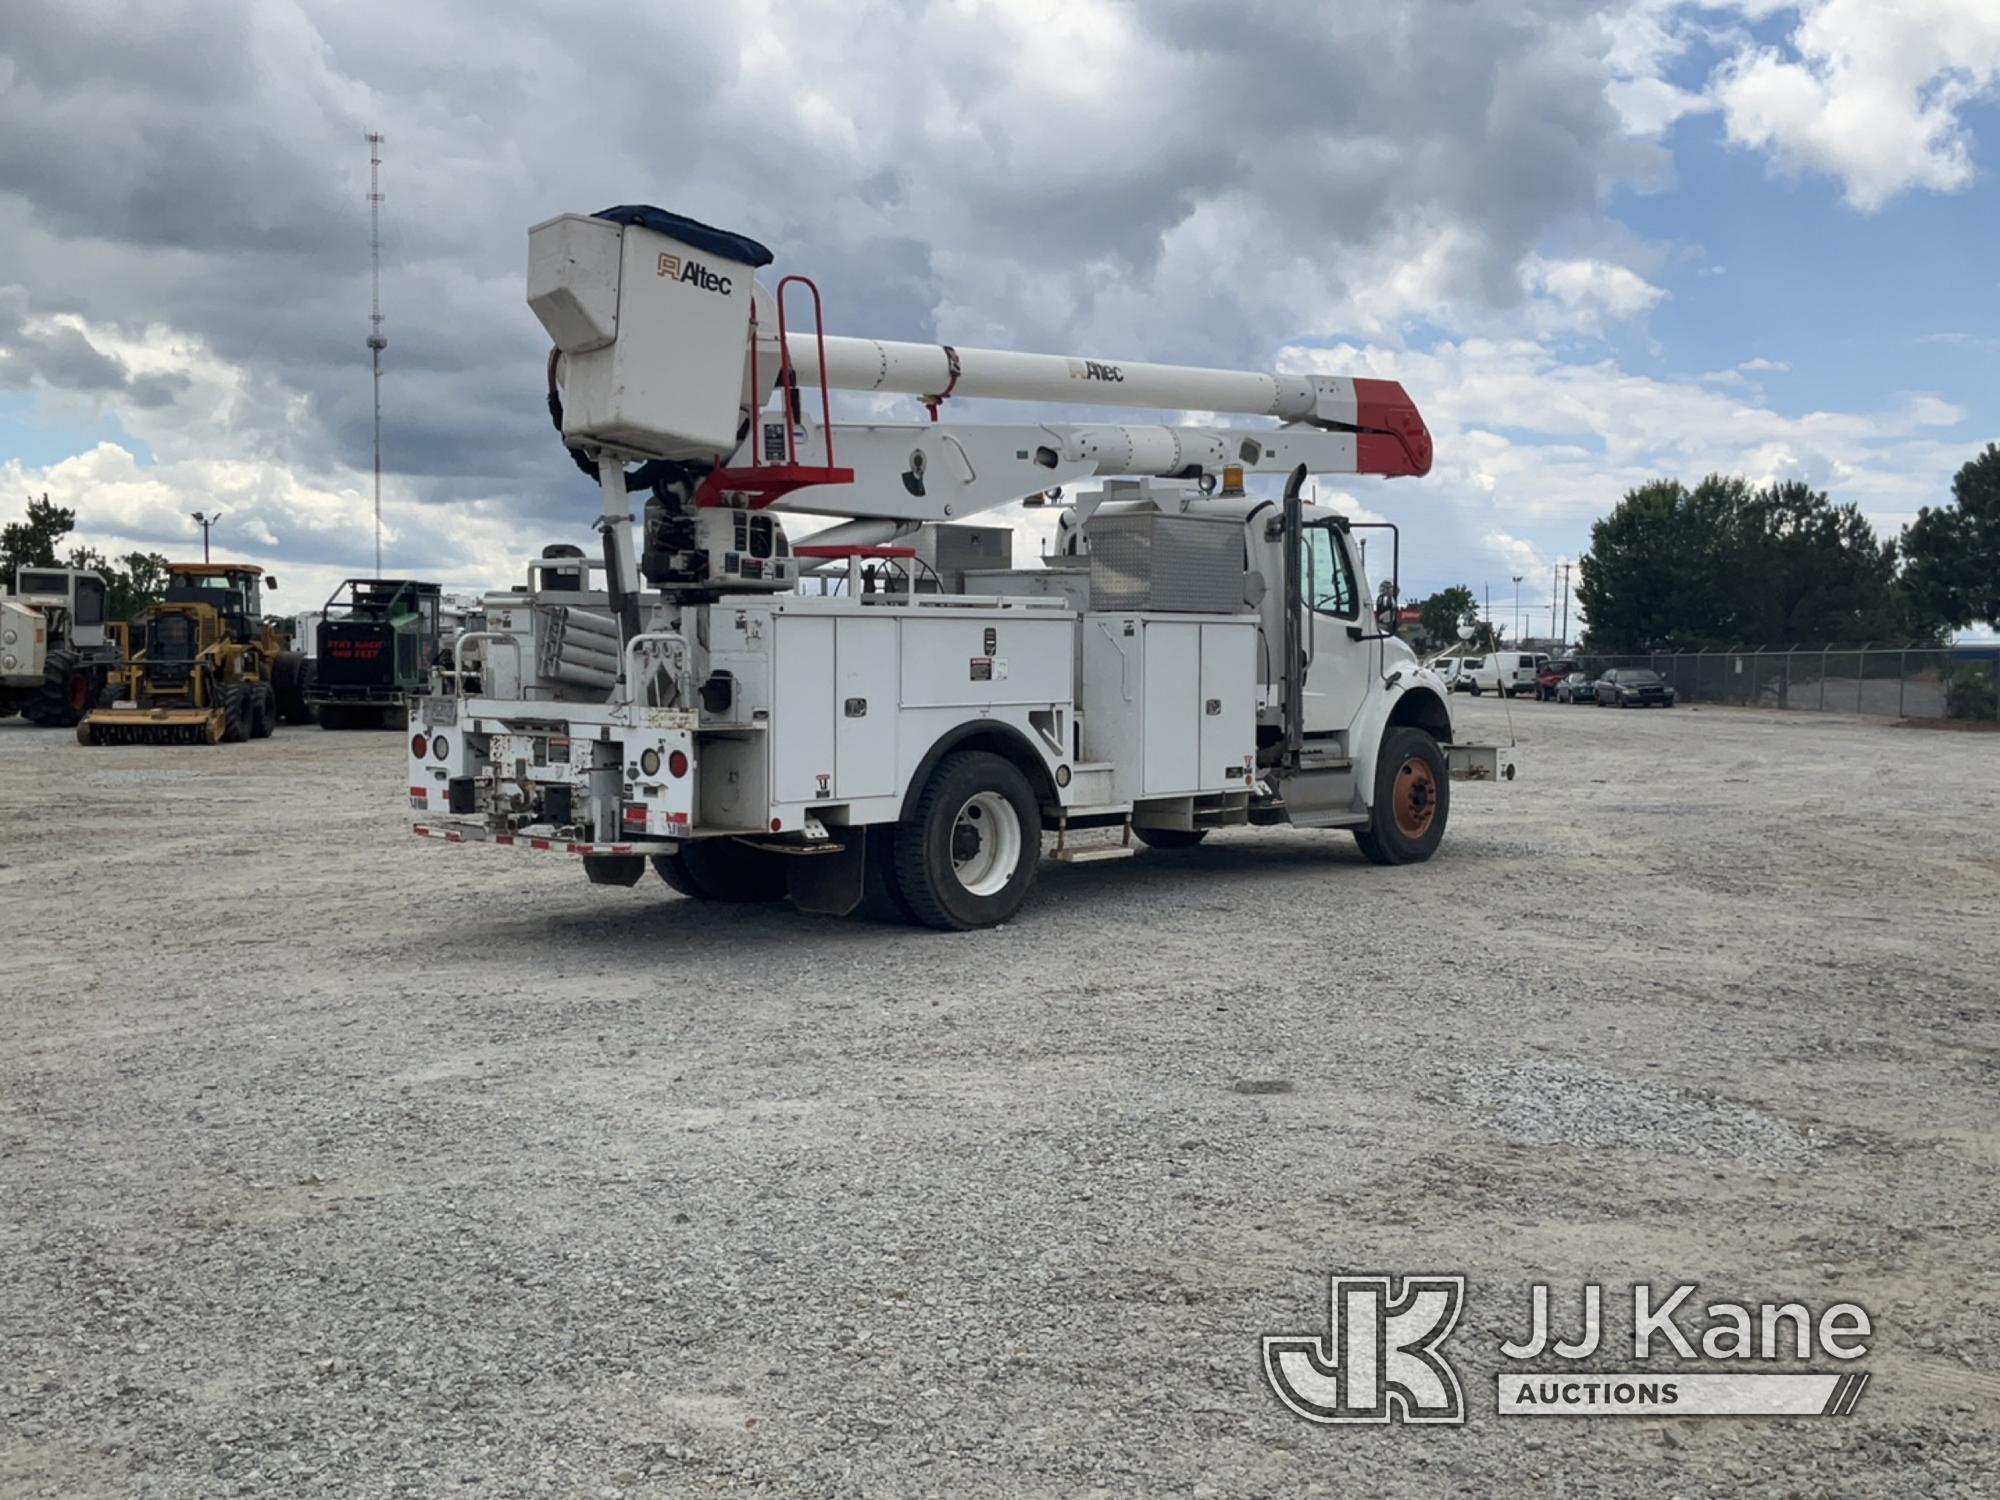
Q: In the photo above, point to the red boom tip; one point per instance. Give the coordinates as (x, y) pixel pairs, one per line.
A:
(1394, 440)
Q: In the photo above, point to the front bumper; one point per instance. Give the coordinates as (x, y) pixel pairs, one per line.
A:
(1480, 762)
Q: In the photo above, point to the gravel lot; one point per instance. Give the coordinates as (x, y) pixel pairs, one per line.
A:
(338, 1162)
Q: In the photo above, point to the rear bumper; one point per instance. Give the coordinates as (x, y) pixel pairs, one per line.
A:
(475, 833)
(1480, 762)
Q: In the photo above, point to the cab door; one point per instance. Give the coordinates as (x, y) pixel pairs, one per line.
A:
(1339, 667)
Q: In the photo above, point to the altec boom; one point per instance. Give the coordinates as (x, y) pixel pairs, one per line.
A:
(1190, 656)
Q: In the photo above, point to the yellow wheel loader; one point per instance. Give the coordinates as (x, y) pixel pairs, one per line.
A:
(205, 667)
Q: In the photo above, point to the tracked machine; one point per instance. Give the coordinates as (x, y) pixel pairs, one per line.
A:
(1199, 651)
(206, 668)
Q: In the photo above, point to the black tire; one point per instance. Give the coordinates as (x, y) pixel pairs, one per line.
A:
(288, 682)
(1473, 688)
(263, 710)
(1412, 800)
(674, 871)
(724, 870)
(965, 804)
(67, 693)
(234, 700)
(1170, 838)
(336, 716)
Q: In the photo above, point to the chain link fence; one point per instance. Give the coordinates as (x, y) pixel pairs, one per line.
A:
(1905, 682)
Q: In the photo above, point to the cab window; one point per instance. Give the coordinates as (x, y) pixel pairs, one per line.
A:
(1325, 577)
(89, 601)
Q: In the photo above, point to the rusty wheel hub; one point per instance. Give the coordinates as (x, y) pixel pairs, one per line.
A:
(1415, 800)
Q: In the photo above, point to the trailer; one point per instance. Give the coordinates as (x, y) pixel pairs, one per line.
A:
(1198, 651)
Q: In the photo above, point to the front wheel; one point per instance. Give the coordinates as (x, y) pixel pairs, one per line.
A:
(966, 855)
(1412, 800)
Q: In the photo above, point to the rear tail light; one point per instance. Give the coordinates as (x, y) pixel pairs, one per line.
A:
(677, 763)
(634, 815)
(418, 745)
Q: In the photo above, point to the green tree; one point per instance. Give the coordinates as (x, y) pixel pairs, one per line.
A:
(1673, 568)
(1953, 552)
(1654, 575)
(1444, 612)
(1804, 569)
(32, 543)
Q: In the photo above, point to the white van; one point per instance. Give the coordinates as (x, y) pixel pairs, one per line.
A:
(1509, 672)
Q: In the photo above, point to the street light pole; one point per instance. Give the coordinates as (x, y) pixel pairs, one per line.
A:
(1565, 603)
(1518, 632)
(205, 522)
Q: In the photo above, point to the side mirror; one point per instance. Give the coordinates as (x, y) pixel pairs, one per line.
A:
(270, 582)
(1385, 609)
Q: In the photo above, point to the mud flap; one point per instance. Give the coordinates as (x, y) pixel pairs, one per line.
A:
(832, 881)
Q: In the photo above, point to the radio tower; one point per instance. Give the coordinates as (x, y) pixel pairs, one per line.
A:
(376, 343)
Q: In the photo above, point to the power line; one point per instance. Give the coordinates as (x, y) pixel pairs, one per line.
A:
(376, 342)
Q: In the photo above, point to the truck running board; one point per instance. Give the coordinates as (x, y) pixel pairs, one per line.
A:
(1069, 854)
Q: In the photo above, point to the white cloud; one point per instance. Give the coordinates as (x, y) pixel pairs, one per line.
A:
(1528, 442)
(1868, 92)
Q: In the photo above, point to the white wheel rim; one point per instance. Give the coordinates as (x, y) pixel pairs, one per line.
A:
(985, 843)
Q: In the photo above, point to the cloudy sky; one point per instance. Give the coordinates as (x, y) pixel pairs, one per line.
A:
(1599, 242)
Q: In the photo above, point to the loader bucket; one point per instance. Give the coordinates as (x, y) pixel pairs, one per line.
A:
(152, 726)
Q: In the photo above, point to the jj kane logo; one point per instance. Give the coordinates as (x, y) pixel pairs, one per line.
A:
(1379, 1361)
(692, 273)
(1381, 1358)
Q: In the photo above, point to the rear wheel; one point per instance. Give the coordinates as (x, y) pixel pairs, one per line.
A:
(724, 870)
(966, 855)
(263, 710)
(288, 682)
(68, 690)
(1412, 800)
(1170, 838)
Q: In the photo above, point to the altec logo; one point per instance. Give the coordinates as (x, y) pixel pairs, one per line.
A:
(1379, 1361)
(1090, 369)
(692, 273)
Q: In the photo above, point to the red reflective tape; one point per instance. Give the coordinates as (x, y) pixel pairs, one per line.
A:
(455, 838)
(538, 843)
(503, 838)
(420, 791)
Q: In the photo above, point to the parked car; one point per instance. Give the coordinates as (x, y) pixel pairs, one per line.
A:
(1509, 672)
(1451, 669)
(1549, 676)
(1576, 688)
(1634, 687)
(1468, 668)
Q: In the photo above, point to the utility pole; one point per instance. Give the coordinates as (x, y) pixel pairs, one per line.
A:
(1489, 610)
(1552, 606)
(1565, 603)
(1518, 632)
(376, 343)
(205, 522)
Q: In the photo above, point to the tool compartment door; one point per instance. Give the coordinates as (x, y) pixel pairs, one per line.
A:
(1228, 703)
(1172, 674)
(864, 723)
(802, 708)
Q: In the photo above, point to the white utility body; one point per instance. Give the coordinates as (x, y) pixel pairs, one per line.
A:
(1190, 656)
